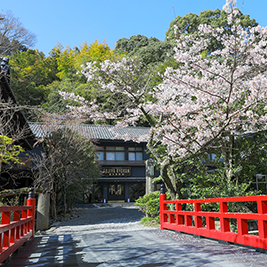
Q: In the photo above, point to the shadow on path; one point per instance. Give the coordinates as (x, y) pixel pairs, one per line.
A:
(58, 250)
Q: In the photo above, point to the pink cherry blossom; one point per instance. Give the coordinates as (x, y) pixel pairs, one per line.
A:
(200, 101)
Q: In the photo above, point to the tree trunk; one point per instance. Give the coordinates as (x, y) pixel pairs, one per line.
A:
(53, 206)
(229, 168)
(65, 201)
(177, 183)
(178, 189)
(166, 179)
(164, 165)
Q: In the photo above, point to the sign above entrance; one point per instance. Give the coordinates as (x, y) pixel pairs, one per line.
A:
(116, 171)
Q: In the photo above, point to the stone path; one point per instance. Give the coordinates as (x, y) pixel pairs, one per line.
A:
(111, 235)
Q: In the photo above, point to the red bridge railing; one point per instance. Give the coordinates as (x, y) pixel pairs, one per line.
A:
(17, 226)
(217, 225)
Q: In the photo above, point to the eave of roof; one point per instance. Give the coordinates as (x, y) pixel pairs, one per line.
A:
(94, 132)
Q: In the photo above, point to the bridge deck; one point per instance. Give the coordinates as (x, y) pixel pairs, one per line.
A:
(112, 236)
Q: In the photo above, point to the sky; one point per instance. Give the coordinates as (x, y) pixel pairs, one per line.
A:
(72, 22)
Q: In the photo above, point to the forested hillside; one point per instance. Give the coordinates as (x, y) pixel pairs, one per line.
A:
(36, 78)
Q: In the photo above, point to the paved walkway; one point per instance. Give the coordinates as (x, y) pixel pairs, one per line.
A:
(111, 235)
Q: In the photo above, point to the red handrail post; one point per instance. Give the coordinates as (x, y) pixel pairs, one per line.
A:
(210, 223)
(31, 212)
(179, 218)
(17, 232)
(188, 220)
(242, 226)
(162, 206)
(16, 218)
(224, 222)
(262, 225)
(5, 220)
(198, 219)
(23, 227)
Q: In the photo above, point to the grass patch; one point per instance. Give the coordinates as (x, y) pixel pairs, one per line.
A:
(148, 221)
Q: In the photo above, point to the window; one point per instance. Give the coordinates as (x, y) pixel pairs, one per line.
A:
(100, 155)
(110, 156)
(115, 153)
(135, 153)
(100, 152)
(119, 155)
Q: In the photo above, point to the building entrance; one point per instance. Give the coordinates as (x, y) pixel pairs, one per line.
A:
(116, 192)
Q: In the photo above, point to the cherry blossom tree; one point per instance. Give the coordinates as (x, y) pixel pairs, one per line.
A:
(201, 106)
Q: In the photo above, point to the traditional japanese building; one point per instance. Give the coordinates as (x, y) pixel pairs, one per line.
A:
(123, 168)
(123, 171)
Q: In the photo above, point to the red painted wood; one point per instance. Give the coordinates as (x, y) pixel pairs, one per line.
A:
(192, 221)
(31, 213)
(163, 217)
(16, 232)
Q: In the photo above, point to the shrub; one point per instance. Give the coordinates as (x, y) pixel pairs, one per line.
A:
(149, 205)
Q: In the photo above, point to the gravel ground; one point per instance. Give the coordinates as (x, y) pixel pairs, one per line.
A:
(99, 218)
(110, 235)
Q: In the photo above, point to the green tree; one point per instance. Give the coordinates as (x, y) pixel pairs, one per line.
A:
(8, 151)
(69, 62)
(31, 72)
(66, 63)
(189, 24)
(96, 51)
(71, 59)
(150, 50)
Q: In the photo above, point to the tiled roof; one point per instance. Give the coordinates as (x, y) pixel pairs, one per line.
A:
(103, 132)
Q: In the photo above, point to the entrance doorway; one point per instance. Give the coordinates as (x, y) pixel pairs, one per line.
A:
(116, 192)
